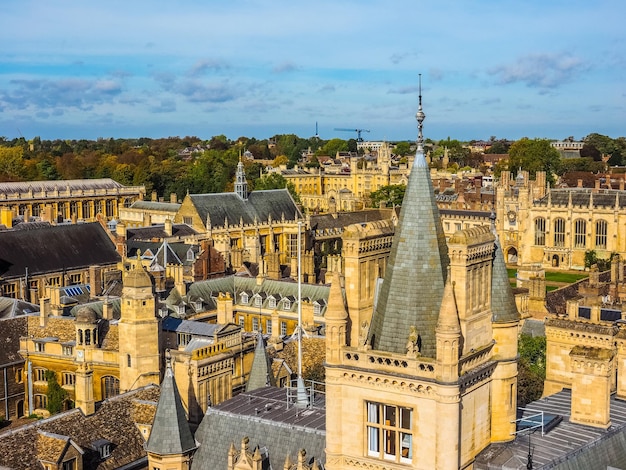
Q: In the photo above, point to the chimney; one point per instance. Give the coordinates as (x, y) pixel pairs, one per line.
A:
(580, 183)
(107, 310)
(167, 228)
(173, 198)
(621, 184)
(154, 196)
(95, 280)
(597, 184)
(44, 310)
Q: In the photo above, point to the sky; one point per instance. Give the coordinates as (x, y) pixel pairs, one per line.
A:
(135, 68)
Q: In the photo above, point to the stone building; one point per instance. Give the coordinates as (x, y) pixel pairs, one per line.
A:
(556, 227)
(39, 256)
(66, 200)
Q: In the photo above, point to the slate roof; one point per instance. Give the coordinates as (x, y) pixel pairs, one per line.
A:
(158, 232)
(156, 206)
(411, 293)
(265, 418)
(113, 421)
(261, 371)
(56, 248)
(260, 205)
(13, 307)
(568, 446)
(343, 219)
(38, 186)
(170, 430)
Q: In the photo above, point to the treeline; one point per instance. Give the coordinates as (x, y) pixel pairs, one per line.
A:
(159, 164)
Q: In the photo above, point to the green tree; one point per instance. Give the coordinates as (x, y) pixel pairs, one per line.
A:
(499, 147)
(56, 394)
(534, 155)
(333, 146)
(391, 195)
(532, 368)
(277, 181)
(402, 148)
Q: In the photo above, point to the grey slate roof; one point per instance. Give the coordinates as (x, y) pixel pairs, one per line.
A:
(568, 446)
(38, 186)
(264, 417)
(56, 248)
(10, 308)
(503, 306)
(259, 206)
(156, 206)
(411, 293)
(158, 232)
(261, 371)
(170, 430)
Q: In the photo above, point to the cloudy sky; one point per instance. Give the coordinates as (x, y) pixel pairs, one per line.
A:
(509, 68)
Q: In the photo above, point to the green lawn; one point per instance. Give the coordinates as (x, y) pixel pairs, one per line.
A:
(565, 277)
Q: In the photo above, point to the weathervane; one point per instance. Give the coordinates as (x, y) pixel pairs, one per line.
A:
(420, 116)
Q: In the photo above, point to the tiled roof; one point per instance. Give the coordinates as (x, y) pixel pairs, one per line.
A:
(13, 307)
(11, 330)
(261, 371)
(156, 206)
(582, 197)
(263, 416)
(414, 280)
(113, 421)
(260, 205)
(343, 219)
(56, 249)
(38, 186)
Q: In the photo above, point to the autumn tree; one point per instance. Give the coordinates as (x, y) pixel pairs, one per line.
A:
(11, 163)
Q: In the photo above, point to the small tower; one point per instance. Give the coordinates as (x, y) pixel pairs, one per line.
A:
(171, 444)
(139, 329)
(241, 184)
(336, 320)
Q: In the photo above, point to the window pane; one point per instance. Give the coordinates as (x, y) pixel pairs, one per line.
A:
(390, 442)
(405, 418)
(390, 415)
(406, 448)
(372, 413)
(372, 441)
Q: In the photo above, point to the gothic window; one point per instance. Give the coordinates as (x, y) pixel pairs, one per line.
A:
(86, 211)
(389, 434)
(41, 401)
(110, 207)
(601, 231)
(73, 209)
(580, 233)
(540, 231)
(110, 386)
(36, 210)
(559, 232)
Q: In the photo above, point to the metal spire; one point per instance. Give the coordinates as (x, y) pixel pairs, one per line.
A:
(420, 116)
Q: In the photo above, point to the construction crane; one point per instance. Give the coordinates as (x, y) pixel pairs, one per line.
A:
(358, 132)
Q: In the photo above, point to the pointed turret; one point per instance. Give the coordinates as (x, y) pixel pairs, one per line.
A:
(241, 184)
(261, 371)
(411, 293)
(448, 334)
(503, 303)
(170, 436)
(336, 321)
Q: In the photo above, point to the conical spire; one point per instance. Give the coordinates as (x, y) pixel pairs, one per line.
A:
(336, 307)
(411, 293)
(170, 433)
(503, 303)
(261, 371)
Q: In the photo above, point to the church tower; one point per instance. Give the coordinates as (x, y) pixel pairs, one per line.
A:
(138, 330)
(421, 392)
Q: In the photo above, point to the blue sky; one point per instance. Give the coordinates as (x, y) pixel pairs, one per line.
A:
(536, 68)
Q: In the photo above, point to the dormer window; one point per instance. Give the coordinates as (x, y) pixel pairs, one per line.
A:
(198, 305)
(105, 451)
(180, 309)
(244, 298)
(317, 308)
(39, 346)
(258, 301)
(190, 255)
(286, 304)
(271, 303)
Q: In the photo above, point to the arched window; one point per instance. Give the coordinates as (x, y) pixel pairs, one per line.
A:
(540, 231)
(580, 233)
(80, 336)
(559, 232)
(601, 231)
(87, 337)
(110, 386)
